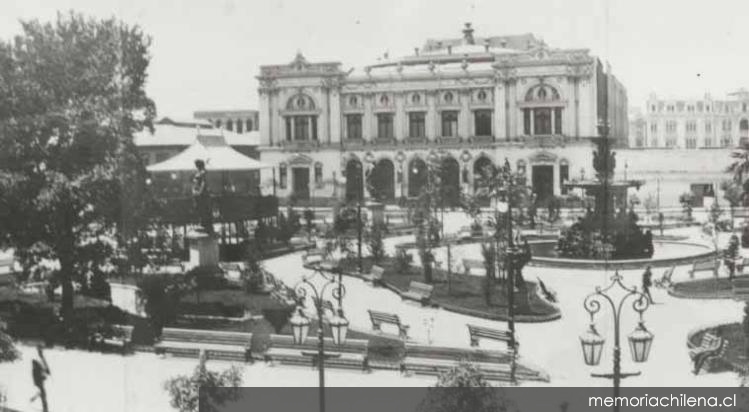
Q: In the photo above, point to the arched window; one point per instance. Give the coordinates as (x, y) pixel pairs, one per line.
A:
(416, 98)
(301, 118)
(248, 125)
(229, 125)
(384, 100)
(239, 126)
(543, 111)
(449, 97)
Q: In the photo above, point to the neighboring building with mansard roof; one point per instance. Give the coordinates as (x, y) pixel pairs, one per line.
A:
(330, 132)
(238, 121)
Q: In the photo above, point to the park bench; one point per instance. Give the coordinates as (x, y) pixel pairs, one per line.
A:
(234, 346)
(711, 347)
(479, 332)
(374, 275)
(740, 288)
(313, 257)
(743, 267)
(119, 339)
(665, 280)
(378, 318)
(705, 266)
(352, 354)
(420, 292)
(493, 365)
(474, 267)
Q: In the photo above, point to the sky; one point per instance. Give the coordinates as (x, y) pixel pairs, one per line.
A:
(205, 54)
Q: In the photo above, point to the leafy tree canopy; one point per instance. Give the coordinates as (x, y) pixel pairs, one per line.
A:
(71, 96)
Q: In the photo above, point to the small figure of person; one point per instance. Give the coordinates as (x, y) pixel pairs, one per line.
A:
(731, 255)
(647, 281)
(39, 372)
(201, 196)
(660, 222)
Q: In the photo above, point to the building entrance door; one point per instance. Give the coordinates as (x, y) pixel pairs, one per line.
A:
(543, 182)
(300, 176)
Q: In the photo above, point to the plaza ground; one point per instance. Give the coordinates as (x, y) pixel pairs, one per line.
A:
(86, 381)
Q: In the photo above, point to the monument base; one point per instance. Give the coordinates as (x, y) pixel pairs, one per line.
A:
(203, 249)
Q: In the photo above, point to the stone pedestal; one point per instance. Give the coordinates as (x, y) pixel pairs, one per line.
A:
(377, 212)
(203, 249)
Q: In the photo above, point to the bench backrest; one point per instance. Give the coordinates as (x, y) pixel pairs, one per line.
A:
(487, 333)
(668, 273)
(741, 288)
(377, 272)
(126, 331)
(310, 344)
(450, 353)
(421, 288)
(384, 317)
(706, 265)
(207, 336)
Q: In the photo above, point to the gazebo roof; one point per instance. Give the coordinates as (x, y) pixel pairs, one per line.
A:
(213, 150)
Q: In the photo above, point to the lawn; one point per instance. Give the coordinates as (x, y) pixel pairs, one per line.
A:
(463, 291)
(705, 288)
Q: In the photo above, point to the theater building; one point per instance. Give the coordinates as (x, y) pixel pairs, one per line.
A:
(331, 132)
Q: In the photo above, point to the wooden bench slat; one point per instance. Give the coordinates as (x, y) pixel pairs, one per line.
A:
(352, 353)
(378, 318)
(478, 332)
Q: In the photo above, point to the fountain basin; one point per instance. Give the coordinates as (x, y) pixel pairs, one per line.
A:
(667, 253)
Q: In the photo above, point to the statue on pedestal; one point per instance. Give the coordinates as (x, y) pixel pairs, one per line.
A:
(201, 197)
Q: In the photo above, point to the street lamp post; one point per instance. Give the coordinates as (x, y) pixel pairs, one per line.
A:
(512, 253)
(640, 340)
(338, 324)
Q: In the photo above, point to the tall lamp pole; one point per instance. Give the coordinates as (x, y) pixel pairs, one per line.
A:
(513, 254)
(338, 323)
(640, 340)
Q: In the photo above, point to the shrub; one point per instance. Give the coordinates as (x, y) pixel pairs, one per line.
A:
(686, 199)
(376, 246)
(278, 317)
(204, 390)
(403, 261)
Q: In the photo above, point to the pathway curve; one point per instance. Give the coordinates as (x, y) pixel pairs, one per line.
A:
(555, 346)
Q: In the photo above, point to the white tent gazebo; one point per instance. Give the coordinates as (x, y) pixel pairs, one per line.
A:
(214, 151)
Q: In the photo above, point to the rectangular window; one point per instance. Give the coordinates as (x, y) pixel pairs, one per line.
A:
(482, 120)
(288, 129)
(314, 127)
(318, 173)
(385, 125)
(708, 142)
(542, 121)
(638, 142)
(353, 126)
(558, 120)
(527, 121)
(691, 143)
(708, 127)
(282, 177)
(691, 126)
(450, 124)
(416, 124)
(725, 141)
(726, 125)
(301, 128)
(653, 127)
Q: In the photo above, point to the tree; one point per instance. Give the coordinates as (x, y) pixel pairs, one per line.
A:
(715, 212)
(732, 194)
(464, 389)
(218, 388)
(686, 199)
(739, 166)
(72, 95)
(376, 245)
(8, 351)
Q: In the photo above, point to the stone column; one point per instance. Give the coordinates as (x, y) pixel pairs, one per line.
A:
(499, 131)
(431, 116)
(464, 117)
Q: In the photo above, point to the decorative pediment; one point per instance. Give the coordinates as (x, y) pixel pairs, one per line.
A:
(299, 63)
(300, 160)
(543, 156)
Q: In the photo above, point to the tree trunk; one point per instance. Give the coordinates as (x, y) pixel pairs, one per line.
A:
(66, 281)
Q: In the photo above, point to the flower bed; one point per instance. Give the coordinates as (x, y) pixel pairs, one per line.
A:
(464, 293)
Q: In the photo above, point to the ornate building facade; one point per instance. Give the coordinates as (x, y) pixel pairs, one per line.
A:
(705, 123)
(465, 102)
(238, 121)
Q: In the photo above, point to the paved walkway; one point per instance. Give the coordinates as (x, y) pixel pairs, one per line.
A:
(555, 346)
(83, 381)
